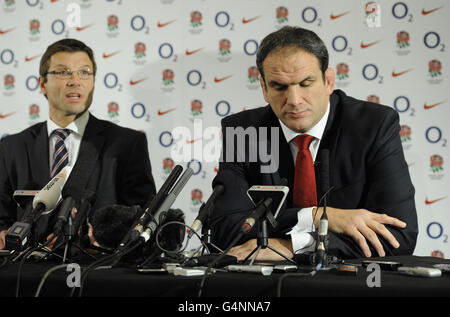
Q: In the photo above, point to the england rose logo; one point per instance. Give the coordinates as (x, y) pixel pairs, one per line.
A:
(168, 77)
(342, 71)
(196, 197)
(373, 98)
(282, 15)
(34, 111)
(224, 47)
(434, 68)
(34, 27)
(113, 110)
(168, 165)
(436, 163)
(113, 23)
(405, 133)
(402, 39)
(253, 74)
(196, 108)
(196, 19)
(139, 50)
(9, 82)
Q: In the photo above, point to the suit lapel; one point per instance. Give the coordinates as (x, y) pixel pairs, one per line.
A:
(90, 149)
(38, 154)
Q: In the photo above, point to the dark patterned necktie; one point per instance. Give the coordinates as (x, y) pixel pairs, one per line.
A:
(305, 179)
(60, 154)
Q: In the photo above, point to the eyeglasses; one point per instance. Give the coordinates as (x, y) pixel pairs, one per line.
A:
(67, 73)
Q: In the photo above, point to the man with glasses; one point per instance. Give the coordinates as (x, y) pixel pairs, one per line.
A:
(107, 164)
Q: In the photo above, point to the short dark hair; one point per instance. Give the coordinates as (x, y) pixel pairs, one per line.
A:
(111, 223)
(291, 36)
(65, 45)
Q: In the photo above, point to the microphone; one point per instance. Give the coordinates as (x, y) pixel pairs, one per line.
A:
(63, 214)
(272, 194)
(160, 214)
(223, 177)
(48, 197)
(138, 227)
(323, 224)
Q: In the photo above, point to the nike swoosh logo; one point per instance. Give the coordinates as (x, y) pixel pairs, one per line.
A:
(193, 52)
(426, 107)
(429, 202)
(394, 74)
(425, 12)
(334, 17)
(109, 55)
(161, 25)
(132, 82)
(3, 116)
(79, 29)
(192, 141)
(161, 113)
(6, 31)
(218, 80)
(29, 59)
(245, 21)
(370, 44)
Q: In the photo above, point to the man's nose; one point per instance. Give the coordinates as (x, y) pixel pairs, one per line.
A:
(294, 95)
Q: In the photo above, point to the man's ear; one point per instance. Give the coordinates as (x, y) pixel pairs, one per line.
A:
(42, 86)
(330, 78)
(263, 88)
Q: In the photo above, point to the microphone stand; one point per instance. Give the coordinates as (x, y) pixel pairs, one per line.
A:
(263, 237)
(206, 234)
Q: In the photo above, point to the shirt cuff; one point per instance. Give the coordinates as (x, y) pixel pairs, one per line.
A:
(302, 241)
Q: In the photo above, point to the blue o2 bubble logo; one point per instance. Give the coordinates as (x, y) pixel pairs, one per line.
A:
(433, 38)
(372, 69)
(194, 77)
(58, 27)
(195, 165)
(339, 43)
(166, 139)
(111, 80)
(223, 108)
(7, 56)
(250, 47)
(137, 23)
(309, 15)
(32, 83)
(138, 110)
(222, 19)
(433, 134)
(399, 10)
(165, 50)
(435, 230)
(401, 104)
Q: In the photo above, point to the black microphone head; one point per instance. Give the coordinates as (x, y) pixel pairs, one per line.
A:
(223, 177)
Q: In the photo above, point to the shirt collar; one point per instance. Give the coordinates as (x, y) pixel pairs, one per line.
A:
(316, 131)
(78, 126)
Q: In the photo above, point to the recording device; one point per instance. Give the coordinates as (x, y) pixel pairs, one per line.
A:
(265, 197)
(261, 269)
(138, 227)
(224, 177)
(384, 265)
(45, 200)
(24, 197)
(420, 271)
(159, 216)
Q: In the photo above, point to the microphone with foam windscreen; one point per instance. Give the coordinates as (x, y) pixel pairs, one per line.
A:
(223, 177)
(138, 227)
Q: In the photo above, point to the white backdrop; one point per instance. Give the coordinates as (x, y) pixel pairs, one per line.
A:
(164, 63)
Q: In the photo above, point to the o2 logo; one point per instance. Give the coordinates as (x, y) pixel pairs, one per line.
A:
(138, 111)
(309, 15)
(111, 81)
(7, 57)
(402, 105)
(400, 11)
(223, 108)
(34, 3)
(32, 83)
(436, 231)
(433, 40)
(222, 20)
(196, 166)
(138, 24)
(194, 78)
(370, 72)
(165, 51)
(340, 44)
(250, 47)
(434, 136)
(166, 139)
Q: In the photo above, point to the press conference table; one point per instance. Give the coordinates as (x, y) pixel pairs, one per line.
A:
(124, 281)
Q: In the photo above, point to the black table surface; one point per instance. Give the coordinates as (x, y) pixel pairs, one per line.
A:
(125, 281)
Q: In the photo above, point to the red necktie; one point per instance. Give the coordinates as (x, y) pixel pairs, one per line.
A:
(305, 180)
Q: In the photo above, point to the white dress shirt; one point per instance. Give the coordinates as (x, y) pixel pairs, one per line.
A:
(302, 241)
(72, 142)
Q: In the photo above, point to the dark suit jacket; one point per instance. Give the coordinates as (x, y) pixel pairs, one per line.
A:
(367, 169)
(113, 167)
